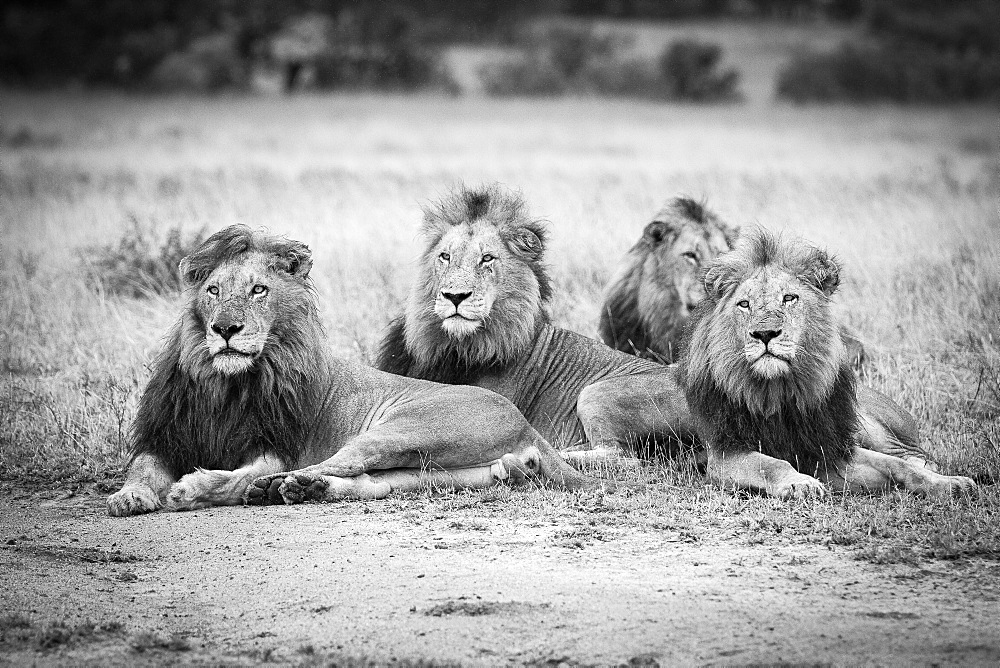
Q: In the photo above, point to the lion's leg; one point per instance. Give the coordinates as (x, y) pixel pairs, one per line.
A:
(204, 488)
(146, 484)
(435, 453)
(757, 471)
(619, 414)
(309, 485)
(887, 428)
(869, 471)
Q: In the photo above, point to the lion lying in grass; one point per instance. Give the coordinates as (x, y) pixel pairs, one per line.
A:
(476, 316)
(246, 402)
(766, 376)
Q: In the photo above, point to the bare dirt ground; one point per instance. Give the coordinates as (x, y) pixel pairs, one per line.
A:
(404, 582)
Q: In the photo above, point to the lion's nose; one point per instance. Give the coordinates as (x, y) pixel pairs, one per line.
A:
(226, 328)
(456, 298)
(765, 335)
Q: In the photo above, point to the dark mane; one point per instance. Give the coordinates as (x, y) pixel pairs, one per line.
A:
(192, 416)
(451, 368)
(808, 439)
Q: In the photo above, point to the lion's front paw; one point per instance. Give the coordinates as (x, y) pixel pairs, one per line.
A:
(953, 485)
(133, 500)
(186, 494)
(799, 486)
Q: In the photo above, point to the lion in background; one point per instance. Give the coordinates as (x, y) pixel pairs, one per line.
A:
(247, 401)
(658, 284)
(766, 376)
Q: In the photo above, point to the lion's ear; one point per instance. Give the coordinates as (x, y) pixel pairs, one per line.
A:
(657, 231)
(295, 259)
(822, 271)
(528, 244)
(717, 279)
(191, 271)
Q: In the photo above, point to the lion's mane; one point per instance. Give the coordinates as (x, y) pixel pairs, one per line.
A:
(808, 418)
(653, 325)
(416, 344)
(190, 415)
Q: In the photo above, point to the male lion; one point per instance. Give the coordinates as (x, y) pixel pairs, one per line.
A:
(246, 386)
(766, 377)
(658, 283)
(476, 316)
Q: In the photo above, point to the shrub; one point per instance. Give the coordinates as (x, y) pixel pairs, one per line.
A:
(581, 61)
(140, 263)
(868, 73)
(916, 51)
(690, 70)
(361, 48)
(208, 64)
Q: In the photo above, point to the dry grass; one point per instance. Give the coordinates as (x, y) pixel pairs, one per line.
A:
(898, 195)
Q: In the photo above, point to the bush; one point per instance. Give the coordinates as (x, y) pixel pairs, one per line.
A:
(381, 48)
(690, 70)
(870, 73)
(208, 64)
(917, 51)
(139, 264)
(583, 62)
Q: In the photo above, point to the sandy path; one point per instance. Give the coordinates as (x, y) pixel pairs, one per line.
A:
(312, 584)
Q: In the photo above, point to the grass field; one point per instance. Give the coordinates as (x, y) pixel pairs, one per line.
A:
(906, 198)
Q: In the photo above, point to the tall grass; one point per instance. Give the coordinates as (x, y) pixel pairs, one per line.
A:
(898, 195)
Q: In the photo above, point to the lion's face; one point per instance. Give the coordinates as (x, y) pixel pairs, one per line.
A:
(243, 299)
(678, 260)
(237, 303)
(769, 313)
(474, 271)
(469, 266)
(766, 334)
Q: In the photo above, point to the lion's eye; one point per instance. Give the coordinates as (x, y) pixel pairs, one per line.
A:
(259, 289)
(487, 258)
(743, 303)
(445, 256)
(788, 299)
(690, 257)
(214, 291)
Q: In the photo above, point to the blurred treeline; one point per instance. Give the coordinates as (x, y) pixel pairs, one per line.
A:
(909, 50)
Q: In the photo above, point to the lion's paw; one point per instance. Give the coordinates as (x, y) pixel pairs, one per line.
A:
(133, 500)
(799, 486)
(302, 487)
(264, 490)
(186, 494)
(953, 485)
(286, 488)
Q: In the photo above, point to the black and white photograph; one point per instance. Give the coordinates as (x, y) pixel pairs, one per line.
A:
(550, 333)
